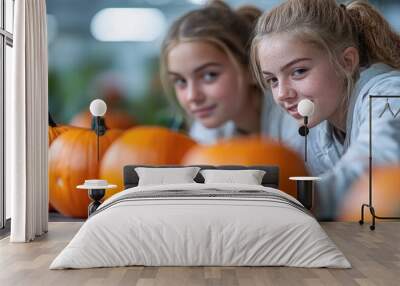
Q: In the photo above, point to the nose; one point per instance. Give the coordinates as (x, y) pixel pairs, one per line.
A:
(285, 93)
(194, 94)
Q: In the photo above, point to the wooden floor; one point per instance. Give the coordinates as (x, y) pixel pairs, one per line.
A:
(374, 255)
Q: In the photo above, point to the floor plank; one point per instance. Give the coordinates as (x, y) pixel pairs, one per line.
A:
(374, 255)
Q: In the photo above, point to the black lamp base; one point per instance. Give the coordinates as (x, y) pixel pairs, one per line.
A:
(305, 190)
(305, 193)
(96, 195)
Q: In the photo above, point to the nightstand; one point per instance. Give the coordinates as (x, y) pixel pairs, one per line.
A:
(305, 190)
(96, 191)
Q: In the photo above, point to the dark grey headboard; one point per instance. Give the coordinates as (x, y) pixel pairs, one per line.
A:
(270, 179)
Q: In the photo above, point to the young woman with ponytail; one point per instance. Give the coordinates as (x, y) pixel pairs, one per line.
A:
(205, 63)
(336, 56)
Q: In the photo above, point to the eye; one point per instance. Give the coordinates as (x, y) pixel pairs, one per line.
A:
(210, 76)
(272, 81)
(179, 82)
(299, 72)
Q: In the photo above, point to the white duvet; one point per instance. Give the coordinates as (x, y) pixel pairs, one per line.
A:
(183, 231)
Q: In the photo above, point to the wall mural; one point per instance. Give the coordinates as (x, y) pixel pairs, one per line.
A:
(172, 102)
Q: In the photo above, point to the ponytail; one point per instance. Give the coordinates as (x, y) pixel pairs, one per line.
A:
(249, 14)
(377, 41)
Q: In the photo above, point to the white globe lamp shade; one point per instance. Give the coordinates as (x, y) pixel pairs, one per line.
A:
(98, 107)
(305, 107)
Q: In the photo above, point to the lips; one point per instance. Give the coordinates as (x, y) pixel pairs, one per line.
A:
(292, 110)
(204, 111)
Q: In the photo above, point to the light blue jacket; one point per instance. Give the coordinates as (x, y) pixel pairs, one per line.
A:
(339, 165)
(275, 123)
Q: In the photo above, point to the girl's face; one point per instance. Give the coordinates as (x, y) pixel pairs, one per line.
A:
(296, 70)
(209, 86)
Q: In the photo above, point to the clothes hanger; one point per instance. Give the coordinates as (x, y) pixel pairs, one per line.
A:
(397, 113)
(387, 107)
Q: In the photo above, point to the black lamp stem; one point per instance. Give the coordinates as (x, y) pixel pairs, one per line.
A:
(98, 141)
(305, 138)
(98, 126)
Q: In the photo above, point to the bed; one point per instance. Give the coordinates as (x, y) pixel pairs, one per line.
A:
(201, 224)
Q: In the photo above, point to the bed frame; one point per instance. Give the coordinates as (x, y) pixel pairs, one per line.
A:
(270, 179)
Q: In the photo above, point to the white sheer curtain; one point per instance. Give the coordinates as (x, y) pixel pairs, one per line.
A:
(26, 123)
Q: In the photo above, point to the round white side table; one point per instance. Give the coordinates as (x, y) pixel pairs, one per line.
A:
(96, 191)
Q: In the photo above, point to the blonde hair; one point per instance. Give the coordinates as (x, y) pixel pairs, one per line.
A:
(332, 28)
(218, 24)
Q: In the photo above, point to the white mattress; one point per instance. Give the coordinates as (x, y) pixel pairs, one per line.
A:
(188, 230)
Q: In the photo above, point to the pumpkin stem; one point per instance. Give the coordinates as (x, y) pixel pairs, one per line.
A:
(99, 125)
(52, 123)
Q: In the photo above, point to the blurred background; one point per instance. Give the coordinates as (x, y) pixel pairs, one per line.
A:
(110, 49)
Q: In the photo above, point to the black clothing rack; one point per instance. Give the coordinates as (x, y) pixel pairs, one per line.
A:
(370, 204)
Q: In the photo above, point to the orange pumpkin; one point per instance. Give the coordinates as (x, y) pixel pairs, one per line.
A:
(385, 195)
(72, 160)
(251, 151)
(148, 145)
(114, 120)
(54, 129)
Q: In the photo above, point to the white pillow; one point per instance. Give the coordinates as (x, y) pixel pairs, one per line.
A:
(162, 176)
(248, 177)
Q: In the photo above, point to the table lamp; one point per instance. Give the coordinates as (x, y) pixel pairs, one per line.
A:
(305, 185)
(98, 108)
